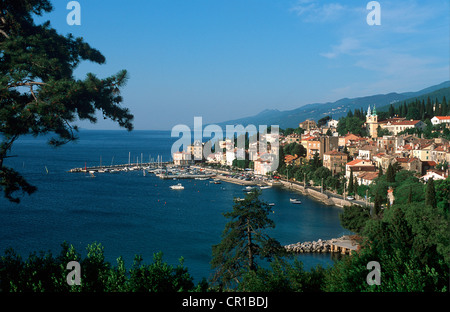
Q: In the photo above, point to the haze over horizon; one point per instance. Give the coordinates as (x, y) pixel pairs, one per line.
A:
(223, 60)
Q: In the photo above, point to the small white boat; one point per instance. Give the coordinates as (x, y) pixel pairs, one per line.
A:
(177, 187)
(265, 187)
(296, 201)
(271, 204)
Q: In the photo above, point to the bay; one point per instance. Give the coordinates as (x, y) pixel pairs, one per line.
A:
(129, 213)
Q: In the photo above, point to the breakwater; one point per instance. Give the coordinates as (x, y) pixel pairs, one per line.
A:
(130, 166)
(343, 245)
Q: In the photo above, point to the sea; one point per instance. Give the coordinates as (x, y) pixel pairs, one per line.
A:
(132, 213)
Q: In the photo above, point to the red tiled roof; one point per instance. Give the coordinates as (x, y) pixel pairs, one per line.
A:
(405, 123)
(369, 175)
(354, 162)
(405, 160)
(335, 152)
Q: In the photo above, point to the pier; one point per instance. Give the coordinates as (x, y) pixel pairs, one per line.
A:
(122, 167)
(343, 245)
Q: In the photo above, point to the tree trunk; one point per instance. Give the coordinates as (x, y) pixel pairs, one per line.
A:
(249, 242)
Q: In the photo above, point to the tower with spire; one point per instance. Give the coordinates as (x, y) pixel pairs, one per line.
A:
(372, 122)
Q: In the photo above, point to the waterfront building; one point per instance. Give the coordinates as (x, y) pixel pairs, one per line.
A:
(335, 161)
(196, 150)
(358, 166)
(265, 163)
(366, 178)
(182, 159)
(312, 147)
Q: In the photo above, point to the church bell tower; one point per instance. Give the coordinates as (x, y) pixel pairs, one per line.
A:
(372, 122)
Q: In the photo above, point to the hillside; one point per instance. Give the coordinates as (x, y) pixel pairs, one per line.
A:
(291, 118)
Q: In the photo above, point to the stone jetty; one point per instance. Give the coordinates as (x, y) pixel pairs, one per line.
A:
(320, 246)
(341, 245)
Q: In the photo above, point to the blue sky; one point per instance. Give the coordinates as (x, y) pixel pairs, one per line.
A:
(226, 59)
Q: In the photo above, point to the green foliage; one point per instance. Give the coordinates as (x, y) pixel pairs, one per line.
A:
(409, 190)
(430, 194)
(422, 107)
(39, 93)
(390, 174)
(283, 276)
(351, 124)
(289, 131)
(410, 242)
(159, 276)
(323, 121)
(383, 131)
(45, 273)
(242, 163)
(354, 218)
(442, 188)
(294, 149)
(350, 183)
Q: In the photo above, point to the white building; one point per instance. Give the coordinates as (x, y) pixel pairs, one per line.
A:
(436, 175)
(182, 158)
(437, 120)
(332, 123)
(398, 126)
(230, 156)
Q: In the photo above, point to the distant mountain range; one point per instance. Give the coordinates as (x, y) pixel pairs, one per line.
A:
(291, 118)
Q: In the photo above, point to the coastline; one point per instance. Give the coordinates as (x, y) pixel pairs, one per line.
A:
(312, 193)
(317, 195)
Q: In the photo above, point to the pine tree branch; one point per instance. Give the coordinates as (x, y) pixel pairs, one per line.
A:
(26, 84)
(4, 33)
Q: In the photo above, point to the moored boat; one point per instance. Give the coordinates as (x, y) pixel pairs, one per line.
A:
(178, 186)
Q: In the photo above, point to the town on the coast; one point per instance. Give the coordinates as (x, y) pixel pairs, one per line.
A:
(342, 157)
(334, 161)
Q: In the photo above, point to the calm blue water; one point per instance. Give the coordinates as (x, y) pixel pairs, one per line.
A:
(134, 214)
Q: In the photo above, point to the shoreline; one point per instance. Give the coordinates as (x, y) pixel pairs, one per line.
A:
(317, 195)
(312, 193)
